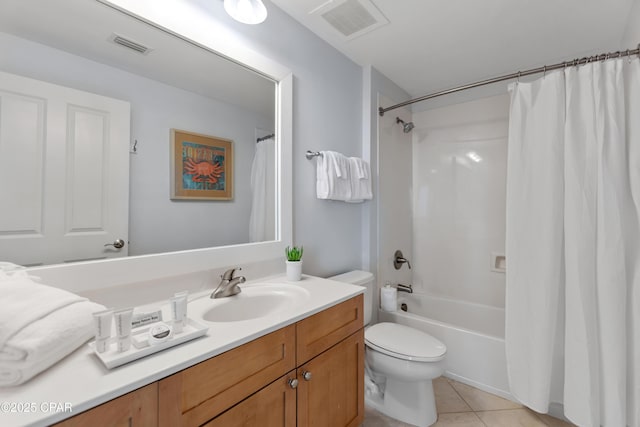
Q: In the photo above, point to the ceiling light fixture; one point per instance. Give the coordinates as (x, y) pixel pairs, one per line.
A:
(246, 11)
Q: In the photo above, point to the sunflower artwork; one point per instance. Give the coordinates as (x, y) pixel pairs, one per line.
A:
(202, 166)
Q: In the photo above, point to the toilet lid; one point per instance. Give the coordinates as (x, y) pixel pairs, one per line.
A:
(404, 342)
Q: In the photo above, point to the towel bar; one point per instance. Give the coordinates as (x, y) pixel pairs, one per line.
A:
(311, 154)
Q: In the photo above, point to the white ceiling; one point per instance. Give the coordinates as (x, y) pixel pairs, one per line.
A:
(431, 45)
(84, 28)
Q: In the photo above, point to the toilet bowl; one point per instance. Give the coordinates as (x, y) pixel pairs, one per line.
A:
(400, 364)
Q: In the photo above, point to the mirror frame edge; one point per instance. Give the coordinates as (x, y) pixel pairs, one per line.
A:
(99, 274)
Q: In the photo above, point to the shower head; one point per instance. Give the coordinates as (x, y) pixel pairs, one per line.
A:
(406, 127)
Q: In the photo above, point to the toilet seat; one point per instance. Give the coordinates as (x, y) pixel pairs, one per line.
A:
(403, 342)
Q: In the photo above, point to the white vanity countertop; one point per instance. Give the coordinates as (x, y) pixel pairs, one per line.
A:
(81, 381)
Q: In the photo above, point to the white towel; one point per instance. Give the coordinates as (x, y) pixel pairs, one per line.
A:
(39, 325)
(25, 301)
(360, 180)
(45, 335)
(333, 179)
(16, 373)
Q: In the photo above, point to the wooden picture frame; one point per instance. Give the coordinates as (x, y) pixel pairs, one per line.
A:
(201, 166)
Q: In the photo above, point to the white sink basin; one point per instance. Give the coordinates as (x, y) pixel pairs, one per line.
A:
(256, 300)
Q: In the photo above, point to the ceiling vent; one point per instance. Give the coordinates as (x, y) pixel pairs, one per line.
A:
(130, 44)
(351, 18)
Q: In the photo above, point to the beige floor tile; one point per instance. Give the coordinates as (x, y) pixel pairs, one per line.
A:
(510, 418)
(373, 418)
(462, 419)
(479, 400)
(447, 399)
(555, 422)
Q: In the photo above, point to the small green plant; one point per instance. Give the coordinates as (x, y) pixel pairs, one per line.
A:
(294, 253)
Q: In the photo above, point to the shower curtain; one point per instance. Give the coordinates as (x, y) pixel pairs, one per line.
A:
(263, 175)
(573, 197)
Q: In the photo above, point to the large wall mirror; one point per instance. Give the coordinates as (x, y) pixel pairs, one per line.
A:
(104, 112)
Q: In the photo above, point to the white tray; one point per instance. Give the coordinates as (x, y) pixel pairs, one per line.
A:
(112, 357)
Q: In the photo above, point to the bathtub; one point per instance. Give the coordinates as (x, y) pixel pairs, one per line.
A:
(473, 334)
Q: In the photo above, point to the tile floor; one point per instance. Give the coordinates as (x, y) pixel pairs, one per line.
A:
(461, 405)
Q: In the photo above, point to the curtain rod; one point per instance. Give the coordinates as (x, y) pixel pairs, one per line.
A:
(264, 138)
(543, 69)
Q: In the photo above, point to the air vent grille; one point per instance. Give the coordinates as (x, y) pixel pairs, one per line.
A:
(351, 18)
(130, 44)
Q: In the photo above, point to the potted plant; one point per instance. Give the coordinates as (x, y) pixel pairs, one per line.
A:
(294, 262)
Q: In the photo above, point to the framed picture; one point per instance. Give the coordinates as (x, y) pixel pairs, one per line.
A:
(201, 166)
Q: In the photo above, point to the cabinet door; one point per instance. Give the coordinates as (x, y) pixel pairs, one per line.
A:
(273, 406)
(333, 394)
(136, 409)
(204, 391)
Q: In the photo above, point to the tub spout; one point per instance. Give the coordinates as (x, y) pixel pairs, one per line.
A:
(405, 288)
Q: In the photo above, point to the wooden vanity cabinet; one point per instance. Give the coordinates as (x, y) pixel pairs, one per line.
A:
(330, 352)
(329, 387)
(200, 393)
(307, 374)
(138, 408)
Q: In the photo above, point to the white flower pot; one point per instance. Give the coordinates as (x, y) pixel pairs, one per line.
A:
(294, 270)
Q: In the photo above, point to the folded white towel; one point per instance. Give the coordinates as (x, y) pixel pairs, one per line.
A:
(360, 180)
(25, 301)
(16, 373)
(56, 330)
(333, 179)
(39, 325)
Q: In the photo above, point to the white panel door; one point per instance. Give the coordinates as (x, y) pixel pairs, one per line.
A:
(64, 173)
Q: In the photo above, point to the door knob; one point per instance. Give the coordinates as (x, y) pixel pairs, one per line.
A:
(306, 375)
(118, 244)
(293, 382)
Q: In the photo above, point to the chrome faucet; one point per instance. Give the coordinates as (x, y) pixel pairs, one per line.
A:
(229, 285)
(405, 288)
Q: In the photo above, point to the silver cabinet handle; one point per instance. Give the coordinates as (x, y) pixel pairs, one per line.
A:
(293, 382)
(118, 244)
(306, 375)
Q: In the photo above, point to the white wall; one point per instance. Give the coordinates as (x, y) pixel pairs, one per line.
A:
(459, 182)
(394, 195)
(631, 36)
(389, 211)
(157, 224)
(326, 116)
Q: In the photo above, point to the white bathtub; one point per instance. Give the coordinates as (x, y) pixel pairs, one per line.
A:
(473, 334)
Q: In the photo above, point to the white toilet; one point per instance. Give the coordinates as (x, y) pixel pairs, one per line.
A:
(400, 364)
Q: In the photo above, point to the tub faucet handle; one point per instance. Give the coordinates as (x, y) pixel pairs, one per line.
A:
(399, 259)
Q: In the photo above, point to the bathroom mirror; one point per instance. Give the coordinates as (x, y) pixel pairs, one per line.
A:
(181, 81)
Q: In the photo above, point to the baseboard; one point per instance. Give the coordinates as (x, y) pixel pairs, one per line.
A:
(483, 387)
(556, 409)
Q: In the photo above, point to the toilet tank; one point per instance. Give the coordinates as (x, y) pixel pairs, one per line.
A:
(361, 278)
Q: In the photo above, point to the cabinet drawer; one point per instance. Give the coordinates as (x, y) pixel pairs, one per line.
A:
(198, 394)
(136, 409)
(319, 332)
